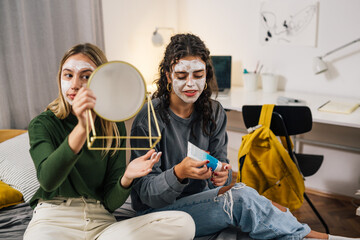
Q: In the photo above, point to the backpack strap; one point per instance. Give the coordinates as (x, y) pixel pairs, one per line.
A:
(265, 120)
(284, 143)
(266, 115)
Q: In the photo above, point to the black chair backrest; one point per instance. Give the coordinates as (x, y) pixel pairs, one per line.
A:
(297, 119)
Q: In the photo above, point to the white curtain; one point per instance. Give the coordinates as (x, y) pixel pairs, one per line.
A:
(34, 36)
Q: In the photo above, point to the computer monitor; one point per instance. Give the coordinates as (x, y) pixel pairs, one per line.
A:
(222, 68)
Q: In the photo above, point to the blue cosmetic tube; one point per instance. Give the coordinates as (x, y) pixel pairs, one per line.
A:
(200, 155)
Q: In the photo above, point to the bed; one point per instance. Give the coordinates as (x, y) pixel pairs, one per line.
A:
(18, 184)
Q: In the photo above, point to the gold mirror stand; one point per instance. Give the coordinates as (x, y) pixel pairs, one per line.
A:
(91, 140)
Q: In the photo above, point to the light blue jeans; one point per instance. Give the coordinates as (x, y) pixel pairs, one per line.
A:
(241, 206)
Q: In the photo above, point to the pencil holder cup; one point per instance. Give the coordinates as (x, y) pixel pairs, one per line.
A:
(269, 82)
(250, 81)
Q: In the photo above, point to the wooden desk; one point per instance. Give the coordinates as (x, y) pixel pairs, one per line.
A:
(238, 97)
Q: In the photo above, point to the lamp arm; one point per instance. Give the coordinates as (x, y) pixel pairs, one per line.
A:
(165, 28)
(168, 28)
(337, 49)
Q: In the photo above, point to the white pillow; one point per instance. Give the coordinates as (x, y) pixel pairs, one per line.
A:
(16, 166)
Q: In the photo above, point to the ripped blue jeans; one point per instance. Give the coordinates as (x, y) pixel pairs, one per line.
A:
(241, 206)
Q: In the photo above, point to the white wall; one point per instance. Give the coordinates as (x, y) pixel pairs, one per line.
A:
(231, 27)
(128, 28)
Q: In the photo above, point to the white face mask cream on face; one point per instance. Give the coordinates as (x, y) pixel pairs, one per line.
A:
(65, 85)
(188, 89)
(75, 66)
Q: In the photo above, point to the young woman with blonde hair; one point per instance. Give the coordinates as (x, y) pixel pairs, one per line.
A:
(79, 188)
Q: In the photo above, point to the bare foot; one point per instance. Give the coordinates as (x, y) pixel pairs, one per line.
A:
(317, 235)
(282, 208)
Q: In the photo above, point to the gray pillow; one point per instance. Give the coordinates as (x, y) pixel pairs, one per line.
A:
(16, 166)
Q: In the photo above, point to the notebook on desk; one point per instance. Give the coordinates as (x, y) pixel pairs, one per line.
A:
(222, 69)
(339, 107)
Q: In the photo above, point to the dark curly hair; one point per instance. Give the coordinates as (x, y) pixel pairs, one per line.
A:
(180, 46)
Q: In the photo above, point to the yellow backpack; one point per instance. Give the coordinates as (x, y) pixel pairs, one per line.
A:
(265, 165)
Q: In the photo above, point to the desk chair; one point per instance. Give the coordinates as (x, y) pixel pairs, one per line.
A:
(289, 121)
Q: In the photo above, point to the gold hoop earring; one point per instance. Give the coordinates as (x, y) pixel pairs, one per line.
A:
(205, 86)
(168, 87)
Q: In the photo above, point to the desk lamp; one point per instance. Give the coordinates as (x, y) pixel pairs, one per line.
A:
(319, 65)
(157, 39)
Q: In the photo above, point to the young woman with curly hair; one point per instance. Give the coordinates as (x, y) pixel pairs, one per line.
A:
(186, 113)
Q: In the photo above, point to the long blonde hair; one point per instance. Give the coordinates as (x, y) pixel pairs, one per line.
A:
(61, 108)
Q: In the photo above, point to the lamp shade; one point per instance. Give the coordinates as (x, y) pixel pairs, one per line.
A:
(319, 65)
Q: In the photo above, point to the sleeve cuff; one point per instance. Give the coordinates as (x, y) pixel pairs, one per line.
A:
(132, 183)
(123, 190)
(173, 182)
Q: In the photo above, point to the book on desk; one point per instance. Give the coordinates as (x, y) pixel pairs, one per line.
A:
(338, 107)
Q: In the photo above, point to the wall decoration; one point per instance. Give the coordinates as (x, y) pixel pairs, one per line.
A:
(289, 22)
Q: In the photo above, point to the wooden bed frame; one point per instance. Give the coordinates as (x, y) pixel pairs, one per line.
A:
(6, 134)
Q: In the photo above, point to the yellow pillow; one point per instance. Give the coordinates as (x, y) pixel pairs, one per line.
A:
(9, 196)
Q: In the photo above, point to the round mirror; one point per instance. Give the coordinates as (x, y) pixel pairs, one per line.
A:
(119, 89)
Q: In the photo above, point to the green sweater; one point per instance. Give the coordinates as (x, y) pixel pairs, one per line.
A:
(61, 173)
